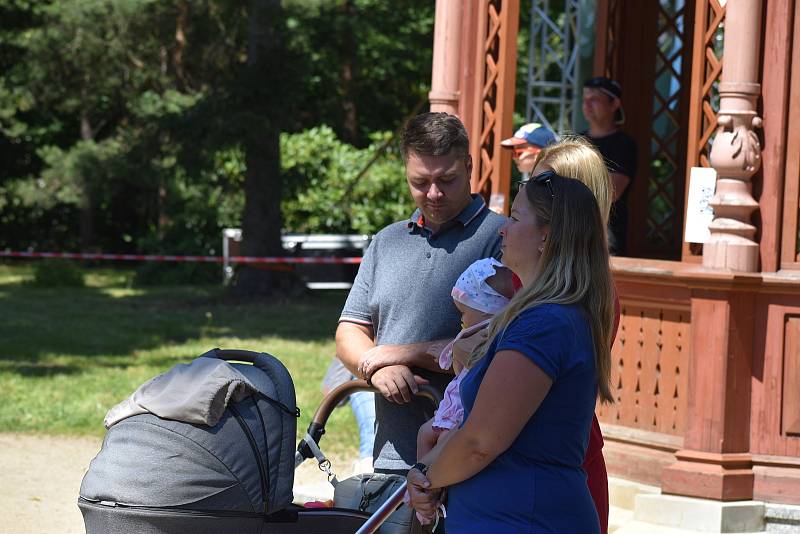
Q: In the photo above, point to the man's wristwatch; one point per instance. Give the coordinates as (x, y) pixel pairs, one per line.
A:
(422, 468)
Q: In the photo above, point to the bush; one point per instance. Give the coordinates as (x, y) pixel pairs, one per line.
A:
(324, 193)
(58, 273)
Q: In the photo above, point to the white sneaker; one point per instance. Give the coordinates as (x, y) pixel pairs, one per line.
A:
(363, 465)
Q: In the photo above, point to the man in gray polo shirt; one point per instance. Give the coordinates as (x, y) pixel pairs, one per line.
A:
(399, 314)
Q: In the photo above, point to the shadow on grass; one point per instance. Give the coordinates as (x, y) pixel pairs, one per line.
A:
(41, 326)
(41, 371)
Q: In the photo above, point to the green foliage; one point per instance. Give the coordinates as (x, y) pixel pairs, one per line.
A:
(198, 211)
(117, 135)
(324, 192)
(86, 167)
(385, 46)
(57, 273)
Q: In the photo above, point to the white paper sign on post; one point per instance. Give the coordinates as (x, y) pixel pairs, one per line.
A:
(699, 214)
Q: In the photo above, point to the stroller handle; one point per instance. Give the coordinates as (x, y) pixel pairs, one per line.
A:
(249, 356)
(316, 427)
(343, 391)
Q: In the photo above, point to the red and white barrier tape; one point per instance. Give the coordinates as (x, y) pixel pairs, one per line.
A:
(164, 257)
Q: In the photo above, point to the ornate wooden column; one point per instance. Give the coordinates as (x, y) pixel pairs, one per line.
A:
(446, 71)
(736, 151)
(715, 462)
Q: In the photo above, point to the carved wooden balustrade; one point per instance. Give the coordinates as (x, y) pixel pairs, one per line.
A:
(649, 372)
(706, 381)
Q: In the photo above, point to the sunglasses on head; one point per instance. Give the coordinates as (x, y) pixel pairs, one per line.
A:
(543, 178)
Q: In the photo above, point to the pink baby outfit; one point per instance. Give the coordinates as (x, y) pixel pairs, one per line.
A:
(470, 290)
(450, 412)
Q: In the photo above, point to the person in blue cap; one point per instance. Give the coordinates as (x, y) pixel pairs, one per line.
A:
(527, 142)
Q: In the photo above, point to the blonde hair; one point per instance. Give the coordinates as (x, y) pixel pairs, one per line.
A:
(573, 267)
(575, 157)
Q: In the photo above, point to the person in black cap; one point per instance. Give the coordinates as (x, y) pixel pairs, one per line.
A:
(602, 108)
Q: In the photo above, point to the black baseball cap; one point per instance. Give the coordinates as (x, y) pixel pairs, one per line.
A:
(613, 89)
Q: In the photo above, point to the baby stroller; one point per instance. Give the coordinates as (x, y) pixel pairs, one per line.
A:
(162, 476)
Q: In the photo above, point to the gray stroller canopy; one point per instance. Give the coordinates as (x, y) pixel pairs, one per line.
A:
(243, 464)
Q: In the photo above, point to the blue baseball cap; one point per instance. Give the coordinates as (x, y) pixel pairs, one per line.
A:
(532, 133)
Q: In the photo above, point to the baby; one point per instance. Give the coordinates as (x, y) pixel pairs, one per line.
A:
(481, 291)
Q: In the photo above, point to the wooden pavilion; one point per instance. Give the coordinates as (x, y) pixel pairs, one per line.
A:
(707, 360)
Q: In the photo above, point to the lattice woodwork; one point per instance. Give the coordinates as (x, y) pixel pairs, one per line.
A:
(649, 370)
(491, 53)
(606, 44)
(708, 52)
(662, 220)
(497, 30)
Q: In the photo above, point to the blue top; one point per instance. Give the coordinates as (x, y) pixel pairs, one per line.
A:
(402, 291)
(537, 485)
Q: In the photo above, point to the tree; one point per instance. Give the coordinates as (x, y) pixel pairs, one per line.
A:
(265, 81)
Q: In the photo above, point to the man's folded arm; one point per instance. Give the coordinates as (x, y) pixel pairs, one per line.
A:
(356, 348)
(353, 340)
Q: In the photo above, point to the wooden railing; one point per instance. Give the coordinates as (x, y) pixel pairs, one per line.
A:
(704, 375)
(649, 367)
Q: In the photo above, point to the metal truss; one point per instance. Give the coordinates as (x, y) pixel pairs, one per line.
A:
(553, 66)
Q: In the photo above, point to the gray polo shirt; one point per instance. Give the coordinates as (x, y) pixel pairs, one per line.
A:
(403, 290)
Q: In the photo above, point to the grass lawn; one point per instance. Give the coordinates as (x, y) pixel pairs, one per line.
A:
(69, 354)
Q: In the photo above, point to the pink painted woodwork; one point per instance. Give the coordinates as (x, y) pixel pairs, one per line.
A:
(736, 149)
(775, 383)
(493, 108)
(775, 89)
(790, 418)
(706, 70)
(706, 366)
(649, 367)
(790, 245)
(446, 74)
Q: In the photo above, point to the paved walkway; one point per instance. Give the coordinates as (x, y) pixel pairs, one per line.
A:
(40, 480)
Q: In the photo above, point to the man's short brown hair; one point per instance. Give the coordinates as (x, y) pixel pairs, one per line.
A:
(434, 134)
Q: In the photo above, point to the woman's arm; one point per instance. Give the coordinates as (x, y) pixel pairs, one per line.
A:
(510, 393)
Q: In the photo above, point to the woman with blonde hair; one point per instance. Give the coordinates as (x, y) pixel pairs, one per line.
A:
(529, 397)
(574, 157)
(577, 158)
